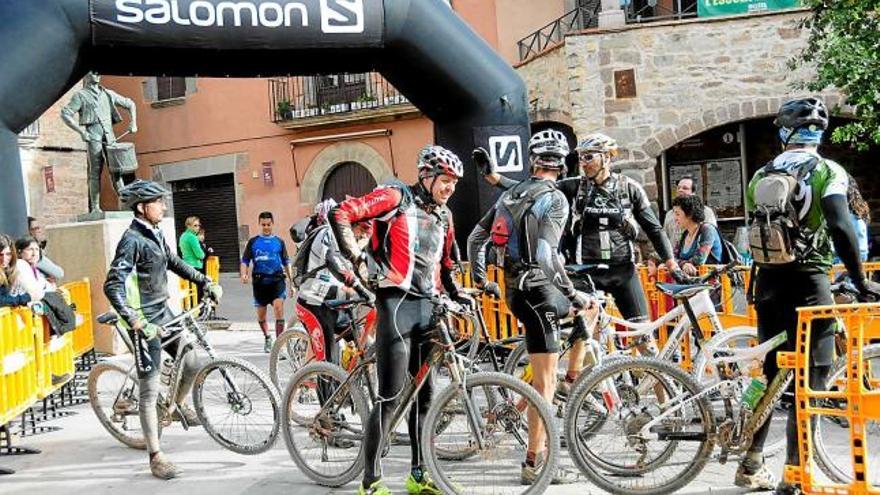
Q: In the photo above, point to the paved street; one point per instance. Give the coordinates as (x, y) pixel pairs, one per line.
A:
(83, 459)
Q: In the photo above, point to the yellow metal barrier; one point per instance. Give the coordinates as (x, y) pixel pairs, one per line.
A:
(84, 334)
(18, 363)
(854, 401)
(188, 291)
(212, 268)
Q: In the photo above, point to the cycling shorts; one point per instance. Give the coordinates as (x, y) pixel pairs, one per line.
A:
(539, 309)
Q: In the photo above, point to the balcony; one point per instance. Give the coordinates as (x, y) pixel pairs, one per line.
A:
(575, 20)
(329, 100)
(640, 11)
(30, 132)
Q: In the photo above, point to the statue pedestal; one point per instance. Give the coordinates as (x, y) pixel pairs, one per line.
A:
(85, 249)
(105, 215)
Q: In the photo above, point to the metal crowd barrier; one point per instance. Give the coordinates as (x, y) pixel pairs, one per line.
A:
(188, 290)
(854, 398)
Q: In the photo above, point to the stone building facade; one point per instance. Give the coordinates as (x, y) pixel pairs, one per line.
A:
(689, 75)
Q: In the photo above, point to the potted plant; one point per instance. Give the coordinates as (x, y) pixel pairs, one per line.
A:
(284, 110)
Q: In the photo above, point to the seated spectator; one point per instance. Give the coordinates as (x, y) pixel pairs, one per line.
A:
(699, 243)
(8, 275)
(30, 279)
(50, 269)
(685, 187)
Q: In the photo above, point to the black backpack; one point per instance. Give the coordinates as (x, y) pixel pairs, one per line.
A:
(510, 228)
(301, 271)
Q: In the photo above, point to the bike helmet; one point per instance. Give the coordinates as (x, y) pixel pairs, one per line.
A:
(548, 142)
(323, 208)
(599, 143)
(141, 191)
(802, 112)
(436, 160)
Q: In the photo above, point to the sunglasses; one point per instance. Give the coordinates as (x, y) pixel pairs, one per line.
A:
(586, 157)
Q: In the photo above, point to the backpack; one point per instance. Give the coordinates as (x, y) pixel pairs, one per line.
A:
(301, 273)
(775, 236)
(510, 231)
(729, 253)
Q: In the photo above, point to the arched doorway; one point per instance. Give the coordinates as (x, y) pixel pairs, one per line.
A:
(347, 178)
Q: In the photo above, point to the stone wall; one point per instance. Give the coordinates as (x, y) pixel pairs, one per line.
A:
(690, 76)
(61, 148)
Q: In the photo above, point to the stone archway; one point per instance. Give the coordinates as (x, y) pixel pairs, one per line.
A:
(754, 108)
(333, 155)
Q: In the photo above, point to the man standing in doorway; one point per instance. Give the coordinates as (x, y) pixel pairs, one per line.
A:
(271, 270)
(685, 187)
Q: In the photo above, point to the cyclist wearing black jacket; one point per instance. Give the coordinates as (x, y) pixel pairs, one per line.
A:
(782, 286)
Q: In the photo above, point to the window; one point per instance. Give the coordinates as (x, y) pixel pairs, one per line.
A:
(169, 88)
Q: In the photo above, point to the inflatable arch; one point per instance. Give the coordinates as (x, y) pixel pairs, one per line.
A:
(422, 47)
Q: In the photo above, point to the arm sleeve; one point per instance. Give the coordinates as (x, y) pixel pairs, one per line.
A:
(191, 243)
(647, 220)
(710, 216)
(369, 206)
(551, 225)
(9, 300)
(50, 268)
(183, 270)
(836, 212)
(336, 264)
(505, 183)
(476, 246)
(447, 263)
(248, 251)
(120, 269)
(73, 106)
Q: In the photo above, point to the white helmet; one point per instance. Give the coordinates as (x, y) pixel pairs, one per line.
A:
(548, 142)
(600, 143)
(323, 208)
(436, 160)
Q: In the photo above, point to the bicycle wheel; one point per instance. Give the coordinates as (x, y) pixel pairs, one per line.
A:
(238, 405)
(113, 395)
(290, 352)
(708, 374)
(608, 410)
(831, 438)
(500, 403)
(325, 442)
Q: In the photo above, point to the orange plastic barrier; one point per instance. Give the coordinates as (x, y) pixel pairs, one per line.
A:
(189, 293)
(853, 400)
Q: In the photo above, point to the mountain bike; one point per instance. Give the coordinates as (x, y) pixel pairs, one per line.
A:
(234, 400)
(475, 416)
(629, 439)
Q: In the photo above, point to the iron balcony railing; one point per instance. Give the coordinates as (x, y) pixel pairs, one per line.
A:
(312, 96)
(639, 11)
(575, 20)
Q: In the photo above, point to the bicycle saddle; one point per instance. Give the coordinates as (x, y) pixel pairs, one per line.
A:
(108, 318)
(682, 291)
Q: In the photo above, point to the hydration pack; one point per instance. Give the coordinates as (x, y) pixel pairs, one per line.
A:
(515, 225)
(301, 271)
(775, 235)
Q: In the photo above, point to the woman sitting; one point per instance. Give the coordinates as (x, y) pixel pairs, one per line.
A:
(700, 243)
(8, 276)
(30, 279)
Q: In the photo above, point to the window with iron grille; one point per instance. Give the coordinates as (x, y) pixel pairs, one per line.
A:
(168, 88)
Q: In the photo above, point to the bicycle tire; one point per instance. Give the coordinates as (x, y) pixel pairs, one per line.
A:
(135, 441)
(282, 348)
(706, 375)
(260, 445)
(359, 403)
(828, 463)
(516, 355)
(588, 464)
(486, 380)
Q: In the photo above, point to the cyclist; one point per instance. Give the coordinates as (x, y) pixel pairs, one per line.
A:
(526, 224)
(268, 254)
(411, 244)
(607, 210)
(136, 286)
(326, 276)
(822, 217)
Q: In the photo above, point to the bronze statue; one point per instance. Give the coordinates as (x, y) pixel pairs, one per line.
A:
(97, 110)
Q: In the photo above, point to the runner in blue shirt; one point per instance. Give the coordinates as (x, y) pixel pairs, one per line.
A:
(270, 272)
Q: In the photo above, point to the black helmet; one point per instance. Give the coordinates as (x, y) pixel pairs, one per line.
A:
(141, 191)
(803, 112)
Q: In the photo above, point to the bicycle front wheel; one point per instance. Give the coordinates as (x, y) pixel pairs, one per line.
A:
(325, 439)
(238, 405)
(114, 397)
(290, 352)
(609, 411)
(488, 417)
